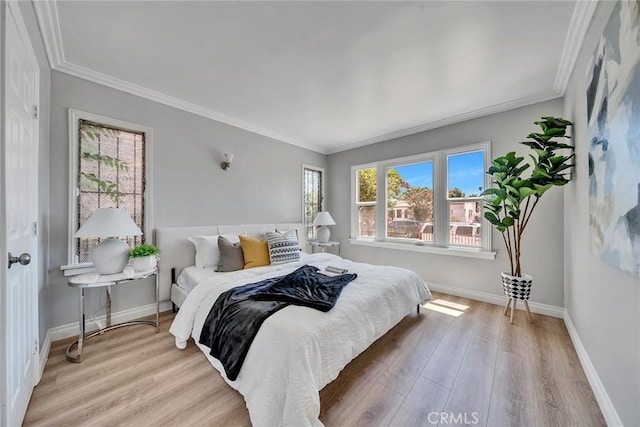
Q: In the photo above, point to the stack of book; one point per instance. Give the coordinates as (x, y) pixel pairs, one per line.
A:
(336, 270)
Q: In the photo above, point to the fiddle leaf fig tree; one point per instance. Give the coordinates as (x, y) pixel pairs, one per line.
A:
(513, 196)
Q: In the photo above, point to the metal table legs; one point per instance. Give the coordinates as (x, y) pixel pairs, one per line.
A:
(83, 336)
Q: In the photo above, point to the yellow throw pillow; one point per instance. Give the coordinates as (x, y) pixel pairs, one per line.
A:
(256, 252)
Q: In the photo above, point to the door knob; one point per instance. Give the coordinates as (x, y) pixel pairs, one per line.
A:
(23, 259)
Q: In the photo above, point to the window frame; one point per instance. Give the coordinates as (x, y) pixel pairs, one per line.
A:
(323, 194)
(355, 204)
(74, 163)
(441, 217)
(404, 161)
(486, 225)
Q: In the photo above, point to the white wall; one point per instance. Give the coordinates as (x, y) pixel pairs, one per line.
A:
(602, 301)
(263, 185)
(543, 242)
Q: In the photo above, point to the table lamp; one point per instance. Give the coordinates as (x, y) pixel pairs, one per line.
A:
(323, 219)
(112, 254)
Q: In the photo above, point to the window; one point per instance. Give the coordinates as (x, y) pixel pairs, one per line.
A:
(431, 200)
(465, 183)
(312, 196)
(109, 168)
(366, 201)
(410, 201)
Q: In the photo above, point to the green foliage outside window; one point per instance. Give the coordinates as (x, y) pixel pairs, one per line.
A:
(89, 143)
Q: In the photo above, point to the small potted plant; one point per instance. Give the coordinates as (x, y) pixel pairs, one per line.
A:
(145, 256)
(513, 196)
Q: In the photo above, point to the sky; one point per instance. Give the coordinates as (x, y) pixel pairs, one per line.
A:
(465, 171)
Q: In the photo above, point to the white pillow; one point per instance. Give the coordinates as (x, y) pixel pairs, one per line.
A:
(207, 252)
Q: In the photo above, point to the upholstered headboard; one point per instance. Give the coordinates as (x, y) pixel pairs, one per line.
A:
(176, 251)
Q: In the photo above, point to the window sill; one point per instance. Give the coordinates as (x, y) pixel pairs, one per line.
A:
(451, 251)
(75, 269)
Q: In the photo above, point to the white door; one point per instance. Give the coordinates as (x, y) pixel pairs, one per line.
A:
(20, 299)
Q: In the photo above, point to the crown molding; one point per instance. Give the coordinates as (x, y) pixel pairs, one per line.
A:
(498, 108)
(133, 89)
(47, 16)
(580, 21)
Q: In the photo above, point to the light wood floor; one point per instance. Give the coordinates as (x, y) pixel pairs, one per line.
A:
(427, 367)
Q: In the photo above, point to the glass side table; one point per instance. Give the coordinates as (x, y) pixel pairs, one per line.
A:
(106, 281)
(324, 245)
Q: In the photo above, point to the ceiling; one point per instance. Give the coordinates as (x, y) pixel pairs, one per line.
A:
(328, 76)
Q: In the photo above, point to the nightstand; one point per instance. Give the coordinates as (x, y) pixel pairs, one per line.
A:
(106, 281)
(324, 245)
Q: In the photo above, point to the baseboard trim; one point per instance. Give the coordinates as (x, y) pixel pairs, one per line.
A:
(45, 346)
(535, 307)
(606, 405)
(72, 329)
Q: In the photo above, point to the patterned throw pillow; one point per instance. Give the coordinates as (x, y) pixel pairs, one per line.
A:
(283, 247)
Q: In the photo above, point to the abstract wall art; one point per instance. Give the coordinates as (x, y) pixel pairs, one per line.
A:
(613, 111)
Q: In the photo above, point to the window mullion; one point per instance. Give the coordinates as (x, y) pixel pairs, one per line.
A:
(381, 202)
(441, 207)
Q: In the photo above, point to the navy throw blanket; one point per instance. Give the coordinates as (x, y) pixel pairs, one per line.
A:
(236, 316)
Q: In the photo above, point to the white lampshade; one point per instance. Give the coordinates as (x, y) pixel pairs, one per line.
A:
(112, 255)
(323, 218)
(109, 222)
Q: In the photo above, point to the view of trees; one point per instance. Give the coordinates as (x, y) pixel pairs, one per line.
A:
(110, 174)
(422, 198)
(455, 192)
(89, 141)
(367, 184)
(419, 199)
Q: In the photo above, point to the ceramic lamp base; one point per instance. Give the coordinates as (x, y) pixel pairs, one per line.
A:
(110, 256)
(323, 234)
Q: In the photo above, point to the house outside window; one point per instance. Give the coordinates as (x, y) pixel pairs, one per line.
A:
(109, 168)
(410, 190)
(465, 182)
(430, 200)
(312, 196)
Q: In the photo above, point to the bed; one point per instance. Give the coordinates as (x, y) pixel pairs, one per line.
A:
(297, 350)
(177, 253)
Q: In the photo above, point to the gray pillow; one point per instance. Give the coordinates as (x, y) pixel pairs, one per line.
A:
(231, 256)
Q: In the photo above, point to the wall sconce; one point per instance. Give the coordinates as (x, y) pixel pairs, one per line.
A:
(228, 158)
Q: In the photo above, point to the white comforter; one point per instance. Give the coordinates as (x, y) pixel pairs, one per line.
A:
(299, 350)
